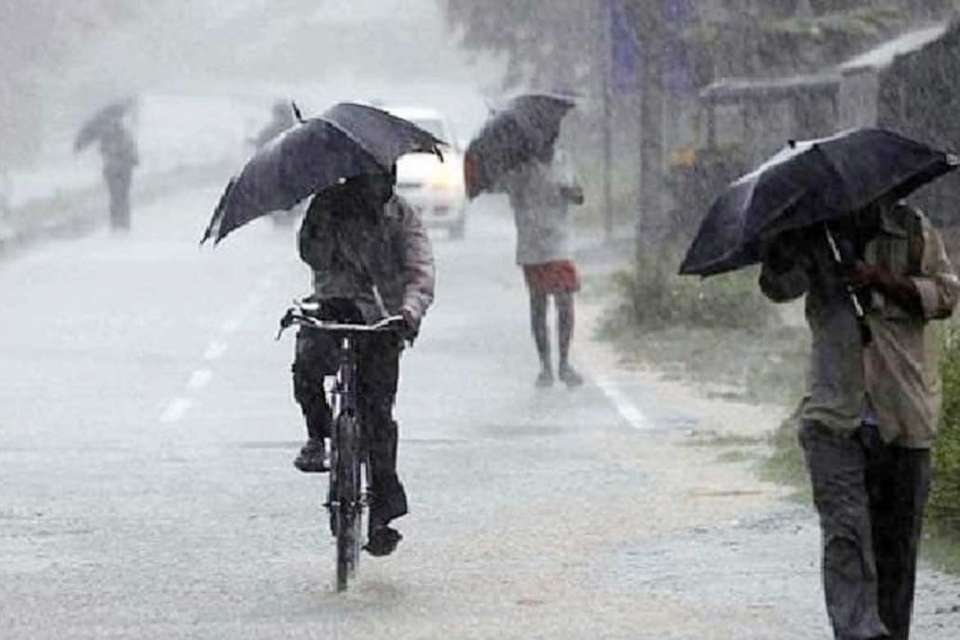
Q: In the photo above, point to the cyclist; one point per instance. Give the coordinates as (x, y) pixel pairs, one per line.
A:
(370, 257)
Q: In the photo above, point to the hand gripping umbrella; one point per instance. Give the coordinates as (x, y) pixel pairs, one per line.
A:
(348, 140)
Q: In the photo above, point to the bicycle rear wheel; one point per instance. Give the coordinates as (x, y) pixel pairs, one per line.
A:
(348, 503)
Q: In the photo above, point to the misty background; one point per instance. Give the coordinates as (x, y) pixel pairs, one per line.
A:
(207, 72)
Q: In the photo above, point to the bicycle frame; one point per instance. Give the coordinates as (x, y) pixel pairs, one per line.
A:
(349, 485)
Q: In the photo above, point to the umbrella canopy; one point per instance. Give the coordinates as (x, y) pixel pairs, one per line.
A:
(808, 183)
(348, 140)
(512, 136)
(101, 122)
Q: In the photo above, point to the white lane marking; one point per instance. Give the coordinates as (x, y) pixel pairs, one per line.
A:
(624, 405)
(175, 411)
(199, 379)
(215, 350)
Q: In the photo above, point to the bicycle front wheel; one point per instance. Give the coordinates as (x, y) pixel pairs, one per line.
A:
(348, 499)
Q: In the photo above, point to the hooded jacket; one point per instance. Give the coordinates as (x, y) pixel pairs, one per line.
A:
(355, 250)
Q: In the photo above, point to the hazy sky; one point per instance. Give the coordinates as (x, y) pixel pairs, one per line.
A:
(315, 51)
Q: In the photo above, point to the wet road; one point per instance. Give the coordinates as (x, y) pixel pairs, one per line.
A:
(147, 428)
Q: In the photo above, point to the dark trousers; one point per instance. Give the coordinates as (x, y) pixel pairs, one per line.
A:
(378, 367)
(118, 184)
(870, 497)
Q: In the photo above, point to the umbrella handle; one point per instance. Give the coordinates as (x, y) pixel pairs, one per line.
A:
(857, 307)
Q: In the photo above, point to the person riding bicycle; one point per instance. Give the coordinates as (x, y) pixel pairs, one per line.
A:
(371, 258)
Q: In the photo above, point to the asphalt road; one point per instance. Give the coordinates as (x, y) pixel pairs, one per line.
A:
(146, 487)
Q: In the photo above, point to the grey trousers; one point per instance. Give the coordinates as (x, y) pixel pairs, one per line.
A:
(870, 497)
(118, 184)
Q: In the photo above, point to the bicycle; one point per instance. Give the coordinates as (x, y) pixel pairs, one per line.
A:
(350, 474)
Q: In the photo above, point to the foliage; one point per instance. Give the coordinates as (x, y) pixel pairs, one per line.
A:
(541, 46)
(945, 498)
(765, 46)
(694, 185)
(652, 297)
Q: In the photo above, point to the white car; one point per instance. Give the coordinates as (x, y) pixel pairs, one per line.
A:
(432, 187)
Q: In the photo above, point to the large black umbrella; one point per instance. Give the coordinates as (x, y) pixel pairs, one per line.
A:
(512, 136)
(101, 122)
(348, 140)
(808, 183)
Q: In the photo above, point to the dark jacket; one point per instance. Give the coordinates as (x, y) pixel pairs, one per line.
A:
(351, 249)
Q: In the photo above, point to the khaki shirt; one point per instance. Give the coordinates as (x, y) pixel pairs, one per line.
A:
(896, 376)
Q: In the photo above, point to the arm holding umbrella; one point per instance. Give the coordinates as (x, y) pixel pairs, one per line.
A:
(569, 186)
(930, 294)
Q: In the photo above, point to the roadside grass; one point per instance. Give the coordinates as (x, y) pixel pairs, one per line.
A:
(941, 547)
(944, 509)
(738, 455)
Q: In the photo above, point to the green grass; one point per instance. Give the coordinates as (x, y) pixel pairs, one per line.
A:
(944, 509)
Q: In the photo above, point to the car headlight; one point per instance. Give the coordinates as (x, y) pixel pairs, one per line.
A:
(446, 178)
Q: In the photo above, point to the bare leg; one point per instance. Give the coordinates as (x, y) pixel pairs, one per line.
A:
(541, 336)
(565, 323)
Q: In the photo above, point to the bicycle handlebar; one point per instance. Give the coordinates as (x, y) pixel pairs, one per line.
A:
(297, 315)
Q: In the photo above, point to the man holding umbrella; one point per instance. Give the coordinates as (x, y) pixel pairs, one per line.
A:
(370, 258)
(871, 410)
(118, 150)
(825, 220)
(516, 153)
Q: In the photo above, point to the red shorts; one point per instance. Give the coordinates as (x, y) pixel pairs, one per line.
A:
(558, 276)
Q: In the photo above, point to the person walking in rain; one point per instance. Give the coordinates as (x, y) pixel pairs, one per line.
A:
(873, 401)
(541, 191)
(119, 152)
(371, 258)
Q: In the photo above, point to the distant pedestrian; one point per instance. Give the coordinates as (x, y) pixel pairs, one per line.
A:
(119, 152)
(541, 191)
(873, 401)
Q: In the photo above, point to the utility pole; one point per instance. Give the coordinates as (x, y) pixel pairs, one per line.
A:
(604, 60)
(650, 211)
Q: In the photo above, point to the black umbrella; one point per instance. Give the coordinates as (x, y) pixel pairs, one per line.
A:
(511, 137)
(808, 183)
(348, 140)
(101, 122)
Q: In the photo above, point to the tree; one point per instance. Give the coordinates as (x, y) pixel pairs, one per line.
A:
(545, 44)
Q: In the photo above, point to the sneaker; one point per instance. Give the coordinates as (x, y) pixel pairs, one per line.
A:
(382, 541)
(312, 457)
(570, 376)
(545, 379)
